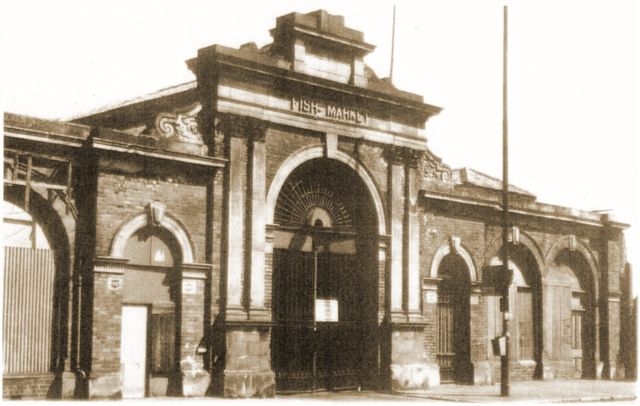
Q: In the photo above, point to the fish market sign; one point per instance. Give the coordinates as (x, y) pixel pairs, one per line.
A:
(327, 110)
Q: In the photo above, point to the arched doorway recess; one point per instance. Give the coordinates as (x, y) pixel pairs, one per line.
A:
(325, 279)
(570, 334)
(453, 344)
(525, 308)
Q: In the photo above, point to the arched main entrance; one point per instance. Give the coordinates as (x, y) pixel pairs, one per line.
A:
(325, 279)
(453, 343)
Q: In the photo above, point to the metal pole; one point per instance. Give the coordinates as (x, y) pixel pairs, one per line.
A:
(504, 359)
(315, 323)
(393, 43)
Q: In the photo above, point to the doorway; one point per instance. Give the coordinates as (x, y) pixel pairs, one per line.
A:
(133, 351)
(453, 346)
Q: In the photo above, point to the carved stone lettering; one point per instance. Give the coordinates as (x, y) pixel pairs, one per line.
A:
(327, 110)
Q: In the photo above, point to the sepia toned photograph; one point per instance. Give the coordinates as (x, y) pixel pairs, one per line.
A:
(320, 200)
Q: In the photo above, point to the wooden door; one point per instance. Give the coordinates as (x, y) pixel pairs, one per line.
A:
(133, 351)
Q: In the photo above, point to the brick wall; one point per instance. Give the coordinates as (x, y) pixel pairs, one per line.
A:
(437, 230)
(280, 144)
(373, 157)
(105, 332)
(123, 196)
(191, 323)
(27, 387)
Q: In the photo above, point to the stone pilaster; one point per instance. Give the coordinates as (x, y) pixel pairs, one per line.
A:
(104, 378)
(396, 214)
(411, 254)
(237, 169)
(256, 211)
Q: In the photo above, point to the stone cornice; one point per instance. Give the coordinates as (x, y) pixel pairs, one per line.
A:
(108, 145)
(523, 211)
(229, 59)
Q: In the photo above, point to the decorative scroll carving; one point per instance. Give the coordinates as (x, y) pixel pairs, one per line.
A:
(434, 168)
(182, 124)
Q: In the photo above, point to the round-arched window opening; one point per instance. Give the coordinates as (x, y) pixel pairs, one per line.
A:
(151, 246)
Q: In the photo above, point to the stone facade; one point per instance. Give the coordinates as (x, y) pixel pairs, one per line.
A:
(210, 205)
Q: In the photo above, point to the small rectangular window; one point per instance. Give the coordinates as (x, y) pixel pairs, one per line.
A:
(163, 349)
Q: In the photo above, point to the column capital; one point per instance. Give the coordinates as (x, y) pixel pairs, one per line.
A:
(242, 127)
(403, 156)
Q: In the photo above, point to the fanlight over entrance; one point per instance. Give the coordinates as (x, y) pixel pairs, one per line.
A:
(311, 203)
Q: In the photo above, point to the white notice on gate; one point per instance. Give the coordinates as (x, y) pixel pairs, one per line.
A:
(327, 310)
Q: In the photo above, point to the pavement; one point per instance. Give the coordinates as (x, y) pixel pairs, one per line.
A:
(527, 391)
(555, 391)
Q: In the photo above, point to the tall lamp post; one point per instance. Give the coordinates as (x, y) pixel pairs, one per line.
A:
(504, 359)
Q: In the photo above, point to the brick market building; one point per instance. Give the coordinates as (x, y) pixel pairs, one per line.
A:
(279, 224)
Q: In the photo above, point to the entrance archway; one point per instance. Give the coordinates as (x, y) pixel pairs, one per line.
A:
(325, 279)
(453, 343)
(570, 315)
(525, 307)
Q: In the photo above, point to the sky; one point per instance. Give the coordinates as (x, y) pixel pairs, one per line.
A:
(574, 90)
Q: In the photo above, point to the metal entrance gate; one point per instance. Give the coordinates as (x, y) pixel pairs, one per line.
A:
(445, 344)
(309, 355)
(453, 334)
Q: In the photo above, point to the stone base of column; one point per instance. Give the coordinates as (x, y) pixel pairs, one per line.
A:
(482, 373)
(260, 314)
(105, 386)
(565, 369)
(68, 385)
(414, 376)
(247, 383)
(247, 371)
(410, 369)
(195, 380)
